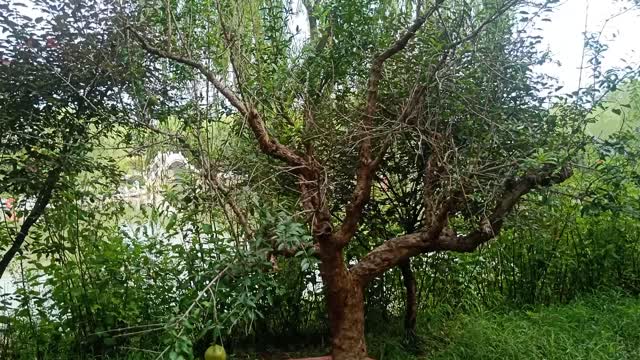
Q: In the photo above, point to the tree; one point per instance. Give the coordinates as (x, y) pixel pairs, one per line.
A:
(452, 94)
(57, 95)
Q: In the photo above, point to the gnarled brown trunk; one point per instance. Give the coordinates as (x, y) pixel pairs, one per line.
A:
(345, 306)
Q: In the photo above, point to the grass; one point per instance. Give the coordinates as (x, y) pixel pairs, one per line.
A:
(598, 327)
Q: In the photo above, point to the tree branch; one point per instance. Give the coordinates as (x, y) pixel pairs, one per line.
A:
(491, 226)
(235, 101)
(439, 238)
(367, 164)
(38, 209)
(269, 145)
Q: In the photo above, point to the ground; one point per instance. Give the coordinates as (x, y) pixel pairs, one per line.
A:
(603, 326)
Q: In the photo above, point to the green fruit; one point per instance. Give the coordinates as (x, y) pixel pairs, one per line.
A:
(215, 352)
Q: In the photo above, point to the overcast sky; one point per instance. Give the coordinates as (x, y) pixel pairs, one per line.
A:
(564, 36)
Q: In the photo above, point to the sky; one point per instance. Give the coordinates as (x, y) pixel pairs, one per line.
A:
(563, 36)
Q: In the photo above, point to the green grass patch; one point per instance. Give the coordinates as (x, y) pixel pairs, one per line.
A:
(598, 327)
(604, 326)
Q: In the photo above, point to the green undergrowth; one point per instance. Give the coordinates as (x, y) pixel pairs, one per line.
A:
(603, 326)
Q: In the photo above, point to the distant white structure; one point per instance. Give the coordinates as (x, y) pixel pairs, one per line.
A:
(163, 168)
(131, 190)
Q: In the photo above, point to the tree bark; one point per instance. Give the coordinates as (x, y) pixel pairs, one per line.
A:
(345, 306)
(411, 304)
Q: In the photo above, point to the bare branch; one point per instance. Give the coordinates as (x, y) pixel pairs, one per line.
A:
(367, 164)
(235, 101)
(492, 225)
(440, 238)
(268, 144)
(392, 252)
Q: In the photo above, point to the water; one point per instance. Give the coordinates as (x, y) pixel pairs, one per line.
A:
(7, 288)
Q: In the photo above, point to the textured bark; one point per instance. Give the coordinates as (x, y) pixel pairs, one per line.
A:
(440, 238)
(345, 306)
(411, 303)
(343, 287)
(368, 163)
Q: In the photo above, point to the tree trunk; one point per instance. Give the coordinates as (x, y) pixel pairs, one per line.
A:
(38, 209)
(345, 306)
(411, 305)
